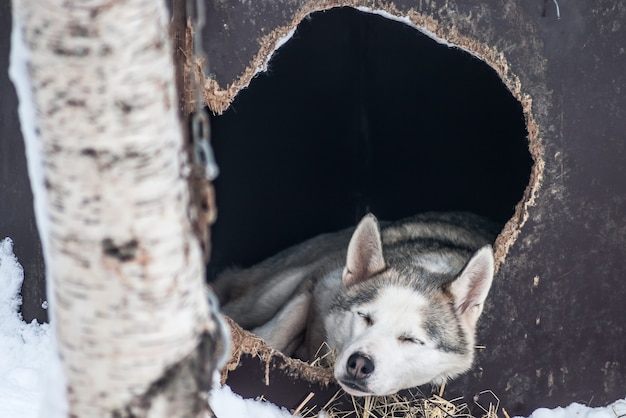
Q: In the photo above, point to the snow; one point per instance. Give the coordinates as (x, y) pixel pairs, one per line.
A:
(407, 21)
(227, 404)
(576, 410)
(25, 349)
(28, 365)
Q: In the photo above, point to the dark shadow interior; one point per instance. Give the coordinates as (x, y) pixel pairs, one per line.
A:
(360, 113)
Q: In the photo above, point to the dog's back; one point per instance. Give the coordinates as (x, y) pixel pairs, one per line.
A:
(441, 242)
(252, 296)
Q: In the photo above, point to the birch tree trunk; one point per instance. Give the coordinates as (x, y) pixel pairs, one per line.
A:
(99, 113)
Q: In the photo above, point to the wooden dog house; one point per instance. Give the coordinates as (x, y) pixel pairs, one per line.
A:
(553, 330)
(512, 110)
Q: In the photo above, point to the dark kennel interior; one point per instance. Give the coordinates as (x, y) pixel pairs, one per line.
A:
(361, 113)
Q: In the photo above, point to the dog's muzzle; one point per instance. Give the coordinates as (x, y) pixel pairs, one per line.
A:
(358, 369)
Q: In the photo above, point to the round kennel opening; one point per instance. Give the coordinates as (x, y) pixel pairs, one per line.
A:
(360, 113)
(289, 173)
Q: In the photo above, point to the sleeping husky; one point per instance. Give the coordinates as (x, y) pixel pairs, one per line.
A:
(397, 303)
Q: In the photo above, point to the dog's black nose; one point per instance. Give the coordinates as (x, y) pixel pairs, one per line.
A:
(359, 366)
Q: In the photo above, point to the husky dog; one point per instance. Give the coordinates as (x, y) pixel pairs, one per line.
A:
(397, 302)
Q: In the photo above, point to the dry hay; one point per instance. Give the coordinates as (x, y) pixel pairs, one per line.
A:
(409, 404)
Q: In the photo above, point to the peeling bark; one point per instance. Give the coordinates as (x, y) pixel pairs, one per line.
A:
(108, 170)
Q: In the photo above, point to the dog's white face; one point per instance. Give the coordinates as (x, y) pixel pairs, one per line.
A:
(395, 329)
(399, 339)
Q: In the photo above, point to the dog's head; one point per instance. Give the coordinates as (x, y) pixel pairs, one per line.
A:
(393, 332)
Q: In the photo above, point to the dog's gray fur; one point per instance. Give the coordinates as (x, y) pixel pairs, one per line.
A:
(398, 302)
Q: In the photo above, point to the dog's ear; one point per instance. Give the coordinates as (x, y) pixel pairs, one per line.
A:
(472, 285)
(365, 252)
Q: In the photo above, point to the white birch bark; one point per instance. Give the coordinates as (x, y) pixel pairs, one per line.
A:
(108, 173)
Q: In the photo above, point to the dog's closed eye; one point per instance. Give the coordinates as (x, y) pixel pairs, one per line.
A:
(409, 339)
(366, 317)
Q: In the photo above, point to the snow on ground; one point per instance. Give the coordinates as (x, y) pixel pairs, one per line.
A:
(575, 410)
(26, 354)
(24, 348)
(227, 404)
